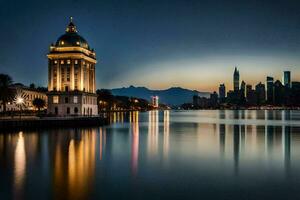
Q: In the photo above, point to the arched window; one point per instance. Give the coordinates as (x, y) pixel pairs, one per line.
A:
(75, 110)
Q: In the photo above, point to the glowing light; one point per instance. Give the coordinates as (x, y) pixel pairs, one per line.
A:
(19, 100)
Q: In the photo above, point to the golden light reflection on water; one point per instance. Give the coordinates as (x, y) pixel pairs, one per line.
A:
(74, 155)
(153, 134)
(135, 142)
(81, 165)
(166, 134)
(102, 141)
(74, 164)
(20, 167)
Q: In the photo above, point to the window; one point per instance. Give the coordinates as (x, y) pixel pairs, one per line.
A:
(68, 62)
(56, 110)
(66, 100)
(55, 99)
(55, 61)
(75, 99)
(62, 62)
(76, 62)
(62, 42)
(68, 110)
(77, 43)
(75, 110)
(66, 88)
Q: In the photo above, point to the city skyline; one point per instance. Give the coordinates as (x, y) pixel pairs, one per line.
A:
(194, 45)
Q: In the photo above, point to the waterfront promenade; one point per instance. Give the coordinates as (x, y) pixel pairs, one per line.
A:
(33, 122)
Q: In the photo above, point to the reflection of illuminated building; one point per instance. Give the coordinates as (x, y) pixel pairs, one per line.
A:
(222, 135)
(75, 168)
(166, 133)
(20, 167)
(287, 147)
(81, 165)
(236, 147)
(117, 117)
(135, 142)
(102, 141)
(153, 132)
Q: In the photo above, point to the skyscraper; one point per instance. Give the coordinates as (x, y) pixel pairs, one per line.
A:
(236, 80)
(270, 90)
(243, 89)
(261, 93)
(286, 79)
(251, 97)
(222, 92)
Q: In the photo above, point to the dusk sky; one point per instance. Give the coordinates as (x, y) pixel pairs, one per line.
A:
(157, 44)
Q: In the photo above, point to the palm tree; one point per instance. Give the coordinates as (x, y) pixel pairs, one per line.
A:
(6, 91)
(39, 103)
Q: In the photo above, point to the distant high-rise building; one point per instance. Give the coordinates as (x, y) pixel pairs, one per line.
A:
(213, 99)
(222, 93)
(286, 79)
(260, 91)
(243, 89)
(251, 96)
(270, 90)
(248, 90)
(154, 100)
(236, 80)
(279, 93)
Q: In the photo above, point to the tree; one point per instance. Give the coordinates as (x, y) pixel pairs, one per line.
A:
(32, 86)
(39, 103)
(106, 97)
(6, 91)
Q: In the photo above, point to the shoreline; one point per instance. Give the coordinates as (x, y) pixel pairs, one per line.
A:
(51, 122)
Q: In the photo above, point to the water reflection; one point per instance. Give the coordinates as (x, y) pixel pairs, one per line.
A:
(20, 167)
(166, 134)
(74, 164)
(157, 148)
(153, 134)
(135, 142)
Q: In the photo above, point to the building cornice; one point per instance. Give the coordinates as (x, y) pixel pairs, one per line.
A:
(74, 55)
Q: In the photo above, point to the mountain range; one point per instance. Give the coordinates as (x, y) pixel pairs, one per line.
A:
(172, 96)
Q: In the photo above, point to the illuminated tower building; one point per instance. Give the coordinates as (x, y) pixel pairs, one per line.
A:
(71, 75)
(154, 100)
(236, 80)
(286, 80)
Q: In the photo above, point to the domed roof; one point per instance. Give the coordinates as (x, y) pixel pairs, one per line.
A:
(71, 38)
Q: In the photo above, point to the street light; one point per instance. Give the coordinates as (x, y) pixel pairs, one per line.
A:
(20, 102)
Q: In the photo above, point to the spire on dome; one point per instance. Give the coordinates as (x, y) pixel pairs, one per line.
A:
(71, 28)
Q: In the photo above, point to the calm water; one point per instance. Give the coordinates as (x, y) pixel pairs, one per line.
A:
(158, 155)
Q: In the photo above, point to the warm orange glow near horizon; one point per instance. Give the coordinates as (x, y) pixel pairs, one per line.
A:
(207, 74)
